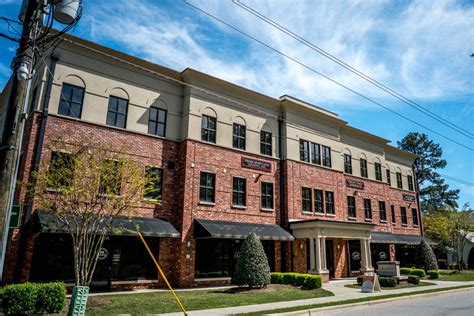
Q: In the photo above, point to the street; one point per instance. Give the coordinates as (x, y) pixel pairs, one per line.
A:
(458, 303)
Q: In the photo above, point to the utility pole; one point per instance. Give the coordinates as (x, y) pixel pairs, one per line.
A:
(14, 124)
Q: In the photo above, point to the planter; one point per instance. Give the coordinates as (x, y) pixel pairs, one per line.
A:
(78, 304)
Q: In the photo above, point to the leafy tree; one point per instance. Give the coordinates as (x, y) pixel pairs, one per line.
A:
(434, 193)
(425, 257)
(437, 227)
(86, 185)
(252, 267)
(461, 226)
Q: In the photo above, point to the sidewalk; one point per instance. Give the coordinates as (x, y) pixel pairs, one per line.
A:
(341, 293)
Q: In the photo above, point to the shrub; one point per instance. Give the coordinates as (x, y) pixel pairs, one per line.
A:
(300, 279)
(413, 279)
(252, 267)
(313, 281)
(51, 297)
(359, 279)
(418, 272)
(277, 277)
(405, 271)
(434, 274)
(19, 299)
(425, 257)
(387, 282)
(289, 278)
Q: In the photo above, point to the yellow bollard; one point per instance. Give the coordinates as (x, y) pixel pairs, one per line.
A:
(161, 273)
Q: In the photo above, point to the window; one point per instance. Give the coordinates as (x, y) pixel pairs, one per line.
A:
(154, 181)
(239, 188)
(207, 187)
(61, 170)
(383, 211)
(71, 100)
(306, 199)
(157, 121)
(117, 112)
(399, 180)
(403, 212)
(208, 129)
(392, 209)
(266, 143)
(367, 209)
(238, 136)
(378, 171)
(304, 150)
(329, 202)
(267, 195)
(315, 153)
(410, 182)
(111, 178)
(414, 216)
(326, 156)
(351, 206)
(347, 164)
(318, 201)
(389, 181)
(363, 168)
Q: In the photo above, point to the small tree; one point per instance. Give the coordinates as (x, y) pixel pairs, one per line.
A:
(461, 226)
(252, 267)
(425, 257)
(86, 185)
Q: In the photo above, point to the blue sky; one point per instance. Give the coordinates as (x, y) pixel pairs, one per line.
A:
(419, 48)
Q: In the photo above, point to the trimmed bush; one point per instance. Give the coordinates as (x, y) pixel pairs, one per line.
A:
(289, 278)
(252, 267)
(360, 278)
(313, 281)
(387, 282)
(434, 274)
(418, 272)
(301, 279)
(413, 279)
(19, 299)
(425, 257)
(277, 277)
(51, 297)
(405, 271)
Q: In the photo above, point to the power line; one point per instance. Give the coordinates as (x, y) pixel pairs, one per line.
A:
(325, 76)
(458, 180)
(357, 72)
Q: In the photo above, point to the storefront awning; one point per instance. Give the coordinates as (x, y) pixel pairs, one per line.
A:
(389, 238)
(122, 226)
(237, 230)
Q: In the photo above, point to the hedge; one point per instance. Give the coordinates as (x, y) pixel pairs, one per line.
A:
(28, 298)
(434, 274)
(405, 271)
(387, 282)
(360, 279)
(418, 272)
(413, 279)
(310, 281)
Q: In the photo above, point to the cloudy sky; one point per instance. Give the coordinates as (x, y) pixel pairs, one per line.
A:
(420, 49)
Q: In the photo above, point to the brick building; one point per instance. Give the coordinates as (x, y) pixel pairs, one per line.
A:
(323, 197)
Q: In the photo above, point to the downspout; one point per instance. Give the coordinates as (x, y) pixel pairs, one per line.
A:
(417, 189)
(283, 219)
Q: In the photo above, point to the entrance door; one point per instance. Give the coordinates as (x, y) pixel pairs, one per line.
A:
(354, 255)
(330, 258)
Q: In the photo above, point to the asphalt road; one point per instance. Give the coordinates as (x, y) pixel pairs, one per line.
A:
(452, 304)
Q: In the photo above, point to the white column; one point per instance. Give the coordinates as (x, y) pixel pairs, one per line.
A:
(312, 266)
(318, 253)
(369, 255)
(363, 255)
(323, 254)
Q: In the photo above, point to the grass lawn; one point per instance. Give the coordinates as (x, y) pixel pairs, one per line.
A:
(163, 302)
(454, 275)
(402, 286)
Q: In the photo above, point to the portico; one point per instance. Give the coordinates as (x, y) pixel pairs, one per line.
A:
(333, 261)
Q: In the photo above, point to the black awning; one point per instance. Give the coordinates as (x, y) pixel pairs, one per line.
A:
(389, 238)
(236, 230)
(148, 226)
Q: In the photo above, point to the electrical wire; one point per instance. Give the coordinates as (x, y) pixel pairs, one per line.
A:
(327, 77)
(357, 72)
(457, 180)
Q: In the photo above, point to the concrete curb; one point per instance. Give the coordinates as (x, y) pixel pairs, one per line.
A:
(374, 302)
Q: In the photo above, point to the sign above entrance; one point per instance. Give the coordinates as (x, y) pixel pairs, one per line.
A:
(409, 198)
(256, 164)
(355, 184)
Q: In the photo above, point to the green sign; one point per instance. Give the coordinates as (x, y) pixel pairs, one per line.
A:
(15, 216)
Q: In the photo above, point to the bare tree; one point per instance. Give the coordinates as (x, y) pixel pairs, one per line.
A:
(86, 186)
(462, 225)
